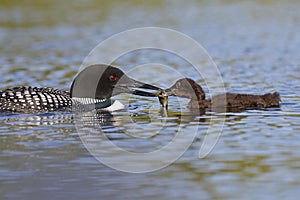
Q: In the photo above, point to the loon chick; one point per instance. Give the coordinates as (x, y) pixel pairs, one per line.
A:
(94, 84)
(188, 88)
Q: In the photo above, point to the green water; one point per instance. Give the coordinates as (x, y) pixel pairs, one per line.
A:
(256, 47)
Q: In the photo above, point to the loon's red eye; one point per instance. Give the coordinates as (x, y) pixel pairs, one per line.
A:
(112, 78)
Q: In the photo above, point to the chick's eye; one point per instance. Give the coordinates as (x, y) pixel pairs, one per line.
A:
(112, 78)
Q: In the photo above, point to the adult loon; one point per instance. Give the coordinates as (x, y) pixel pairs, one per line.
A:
(188, 88)
(93, 85)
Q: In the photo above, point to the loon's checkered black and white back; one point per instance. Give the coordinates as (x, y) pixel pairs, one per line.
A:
(34, 99)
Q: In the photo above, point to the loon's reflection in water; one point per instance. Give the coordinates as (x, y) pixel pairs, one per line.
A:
(148, 130)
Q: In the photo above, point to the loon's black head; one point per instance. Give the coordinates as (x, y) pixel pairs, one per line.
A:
(103, 81)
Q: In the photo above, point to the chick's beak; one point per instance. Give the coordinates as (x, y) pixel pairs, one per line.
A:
(170, 92)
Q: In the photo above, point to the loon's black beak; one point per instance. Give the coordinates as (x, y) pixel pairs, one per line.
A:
(137, 88)
(147, 89)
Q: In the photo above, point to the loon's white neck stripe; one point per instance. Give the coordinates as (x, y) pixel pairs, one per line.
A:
(84, 100)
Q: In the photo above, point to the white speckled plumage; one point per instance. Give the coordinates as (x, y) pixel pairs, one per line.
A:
(34, 99)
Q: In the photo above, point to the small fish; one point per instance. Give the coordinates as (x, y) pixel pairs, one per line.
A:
(163, 98)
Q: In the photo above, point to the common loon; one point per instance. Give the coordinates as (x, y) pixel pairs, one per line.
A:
(93, 85)
(188, 88)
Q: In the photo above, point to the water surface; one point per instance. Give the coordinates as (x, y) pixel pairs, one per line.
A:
(256, 47)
